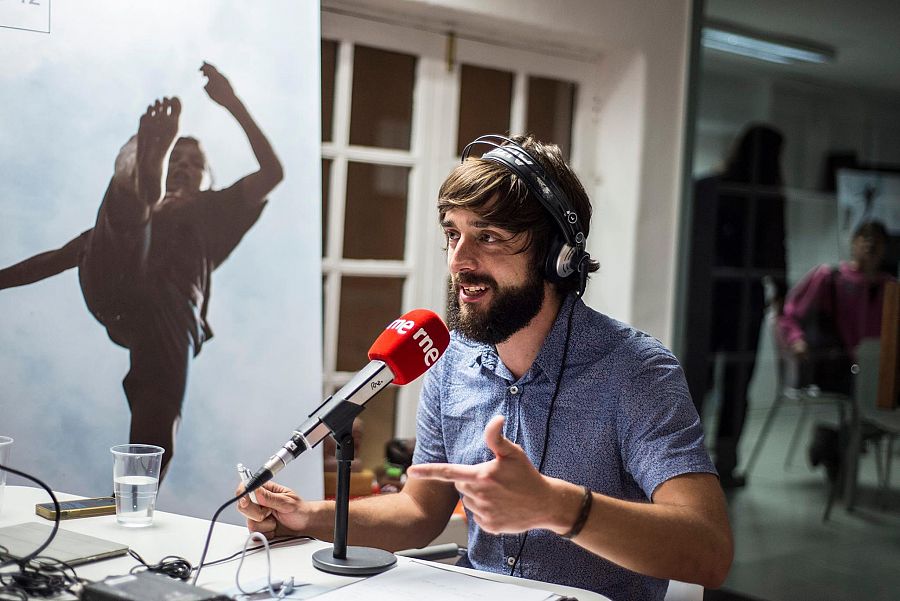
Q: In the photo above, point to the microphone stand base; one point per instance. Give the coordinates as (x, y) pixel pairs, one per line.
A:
(360, 561)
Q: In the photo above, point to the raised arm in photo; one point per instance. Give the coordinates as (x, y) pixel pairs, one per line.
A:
(256, 185)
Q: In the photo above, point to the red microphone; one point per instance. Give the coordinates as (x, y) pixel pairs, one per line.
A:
(411, 344)
(404, 351)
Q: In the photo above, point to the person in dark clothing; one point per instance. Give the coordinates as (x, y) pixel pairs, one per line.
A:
(145, 267)
(737, 238)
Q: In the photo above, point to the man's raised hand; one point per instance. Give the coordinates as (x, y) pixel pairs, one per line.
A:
(506, 494)
(280, 510)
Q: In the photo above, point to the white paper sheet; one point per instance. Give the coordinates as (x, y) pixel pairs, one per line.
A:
(416, 581)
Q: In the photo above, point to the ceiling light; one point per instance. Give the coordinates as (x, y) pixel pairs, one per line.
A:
(726, 37)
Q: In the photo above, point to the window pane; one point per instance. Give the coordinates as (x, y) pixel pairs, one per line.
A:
(326, 189)
(382, 99)
(375, 216)
(485, 103)
(550, 106)
(329, 62)
(368, 305)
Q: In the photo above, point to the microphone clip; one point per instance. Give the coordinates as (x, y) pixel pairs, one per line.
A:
(340, 421)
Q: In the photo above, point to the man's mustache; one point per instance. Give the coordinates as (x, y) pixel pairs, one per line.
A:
(468, 279)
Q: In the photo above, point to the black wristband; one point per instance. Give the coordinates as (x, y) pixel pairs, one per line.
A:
(586, 501)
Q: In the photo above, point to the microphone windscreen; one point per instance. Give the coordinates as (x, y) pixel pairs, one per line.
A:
(411, 344)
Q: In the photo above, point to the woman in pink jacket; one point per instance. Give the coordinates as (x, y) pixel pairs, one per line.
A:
(846, 299)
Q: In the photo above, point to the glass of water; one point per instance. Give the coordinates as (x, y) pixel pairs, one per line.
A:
(136, 481)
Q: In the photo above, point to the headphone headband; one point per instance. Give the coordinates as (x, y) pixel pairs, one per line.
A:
(567, 255)
(517, 160)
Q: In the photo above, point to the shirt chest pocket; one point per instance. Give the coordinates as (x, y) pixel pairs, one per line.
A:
(464, 413)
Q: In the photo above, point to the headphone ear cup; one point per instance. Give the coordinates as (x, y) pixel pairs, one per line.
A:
(557, 265)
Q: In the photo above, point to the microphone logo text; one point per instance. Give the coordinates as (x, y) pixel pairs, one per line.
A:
(403, 326)
(429, 351)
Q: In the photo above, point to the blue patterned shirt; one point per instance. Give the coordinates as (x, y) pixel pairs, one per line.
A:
(623, 424)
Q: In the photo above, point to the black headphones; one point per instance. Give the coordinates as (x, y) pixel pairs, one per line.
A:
(567, 255)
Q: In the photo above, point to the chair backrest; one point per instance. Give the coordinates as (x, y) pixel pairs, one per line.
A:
(791, 379)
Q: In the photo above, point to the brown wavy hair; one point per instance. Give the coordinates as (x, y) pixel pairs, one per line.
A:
(499, 197)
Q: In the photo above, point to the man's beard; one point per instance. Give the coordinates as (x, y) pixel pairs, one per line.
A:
(511, 309)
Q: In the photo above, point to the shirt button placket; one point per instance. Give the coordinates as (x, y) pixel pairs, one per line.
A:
(515, 409)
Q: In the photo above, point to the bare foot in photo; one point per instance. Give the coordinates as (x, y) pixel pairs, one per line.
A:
(156, 135)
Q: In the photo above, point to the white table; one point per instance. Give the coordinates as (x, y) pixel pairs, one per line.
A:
(173, 534)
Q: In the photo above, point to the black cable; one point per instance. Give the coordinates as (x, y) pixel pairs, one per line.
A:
(275, 543)
(562, 367)
(46, 577)
(56, 508)
(212, 524)
(170, 565)
(38, 576)
(41, 577)
(174, 566)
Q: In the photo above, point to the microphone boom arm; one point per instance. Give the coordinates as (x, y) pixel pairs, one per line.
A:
(334, 414)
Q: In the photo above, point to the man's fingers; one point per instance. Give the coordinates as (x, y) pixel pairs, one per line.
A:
(494, 439)
(239, 491)
(471, 501)
(444, 472)
(252, 511)
(479, 518)
(265, 527)
(276, 501)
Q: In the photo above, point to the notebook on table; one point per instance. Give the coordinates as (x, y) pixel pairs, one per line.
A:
(72, 548)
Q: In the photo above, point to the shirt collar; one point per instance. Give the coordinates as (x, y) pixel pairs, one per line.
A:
(549, 358)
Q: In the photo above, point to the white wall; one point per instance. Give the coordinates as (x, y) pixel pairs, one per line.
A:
(632, 153)
(638, 141)
(617, 191)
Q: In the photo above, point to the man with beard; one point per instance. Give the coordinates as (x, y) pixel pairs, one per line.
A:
(570, 437)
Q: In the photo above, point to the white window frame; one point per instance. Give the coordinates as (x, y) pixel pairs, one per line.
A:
(431, 156)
